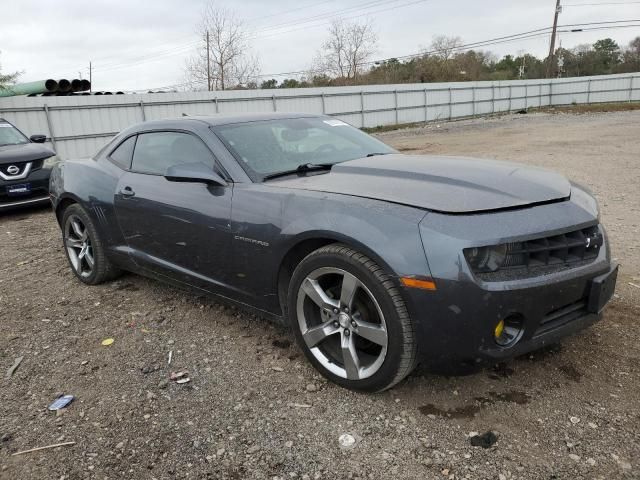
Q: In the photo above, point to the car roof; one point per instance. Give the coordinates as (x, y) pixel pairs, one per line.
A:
(216, 120)
(225, 119)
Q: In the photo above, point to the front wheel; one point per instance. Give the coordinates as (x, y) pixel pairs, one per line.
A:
(350, 320)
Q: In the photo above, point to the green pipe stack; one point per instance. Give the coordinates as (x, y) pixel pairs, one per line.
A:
(46, 87)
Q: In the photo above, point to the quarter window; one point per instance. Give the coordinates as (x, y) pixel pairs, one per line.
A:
(157, 151)
(122, 155)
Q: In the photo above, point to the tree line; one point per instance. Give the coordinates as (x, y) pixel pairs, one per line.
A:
(445, 63)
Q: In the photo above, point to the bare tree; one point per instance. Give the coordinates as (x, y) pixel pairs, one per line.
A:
(7, 79)
(444, 47)
(347, 49)
(225, 59)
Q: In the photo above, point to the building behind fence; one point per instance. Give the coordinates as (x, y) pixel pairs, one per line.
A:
(79, 126)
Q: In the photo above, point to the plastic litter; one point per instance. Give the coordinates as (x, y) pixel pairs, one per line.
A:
(61, 402)
(11, 370)
(107, 341)
(56, 445)
(346, 440)
(178, 375)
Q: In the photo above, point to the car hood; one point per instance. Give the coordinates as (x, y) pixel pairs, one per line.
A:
(27, 152)
(439, 183)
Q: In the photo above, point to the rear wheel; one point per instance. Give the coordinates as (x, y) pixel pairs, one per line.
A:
(84, 248)
(350, 320)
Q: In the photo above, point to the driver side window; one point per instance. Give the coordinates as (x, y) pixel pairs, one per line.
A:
(156, 151)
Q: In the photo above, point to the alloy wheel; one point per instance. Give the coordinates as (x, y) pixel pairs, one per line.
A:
(342, 323)
(79, 248)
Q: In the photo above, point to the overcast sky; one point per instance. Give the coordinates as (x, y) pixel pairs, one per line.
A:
(143, 44)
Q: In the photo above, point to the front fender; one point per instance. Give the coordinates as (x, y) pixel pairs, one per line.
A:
(267, 222)
(389, 236)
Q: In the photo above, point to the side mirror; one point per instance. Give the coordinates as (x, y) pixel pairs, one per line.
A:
(194, 172)
(38, 138)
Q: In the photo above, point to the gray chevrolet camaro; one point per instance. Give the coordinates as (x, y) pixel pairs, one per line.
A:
(376, 260)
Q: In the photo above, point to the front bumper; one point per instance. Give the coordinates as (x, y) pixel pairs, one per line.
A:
(457, 321)
(38, 181)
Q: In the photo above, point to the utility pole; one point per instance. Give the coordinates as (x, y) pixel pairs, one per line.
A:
(552, 48)
(209, 64)
(90, 78)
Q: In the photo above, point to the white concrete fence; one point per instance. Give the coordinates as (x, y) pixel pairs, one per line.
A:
(78, 126)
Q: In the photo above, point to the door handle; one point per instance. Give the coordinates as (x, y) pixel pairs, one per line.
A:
(127, 192)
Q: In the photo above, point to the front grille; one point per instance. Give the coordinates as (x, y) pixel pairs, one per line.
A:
(9, 171)
(543, 255)
(13, 169)
(561, 316)
(566, 248)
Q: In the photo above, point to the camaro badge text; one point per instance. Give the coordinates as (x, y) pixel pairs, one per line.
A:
(251, 240)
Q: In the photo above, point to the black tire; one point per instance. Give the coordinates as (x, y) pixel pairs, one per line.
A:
(103, 270)
(401, 347)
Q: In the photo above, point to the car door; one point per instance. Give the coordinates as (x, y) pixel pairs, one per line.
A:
(175, 229)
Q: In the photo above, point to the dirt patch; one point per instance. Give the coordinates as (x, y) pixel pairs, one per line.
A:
(254, 408)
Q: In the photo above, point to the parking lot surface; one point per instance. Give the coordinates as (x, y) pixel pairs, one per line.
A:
(254, 408)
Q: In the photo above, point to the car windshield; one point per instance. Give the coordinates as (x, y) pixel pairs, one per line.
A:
(10, 135)
(268, 147)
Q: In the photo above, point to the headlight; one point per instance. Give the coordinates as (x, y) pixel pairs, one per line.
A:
(486, 259)
(585, 198)
(51, 162)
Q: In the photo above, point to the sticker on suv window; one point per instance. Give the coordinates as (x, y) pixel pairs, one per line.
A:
(336, 123)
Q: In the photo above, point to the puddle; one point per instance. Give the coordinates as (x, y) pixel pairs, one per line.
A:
(468, 411)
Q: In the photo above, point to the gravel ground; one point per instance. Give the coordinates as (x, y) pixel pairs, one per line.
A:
(255, 409)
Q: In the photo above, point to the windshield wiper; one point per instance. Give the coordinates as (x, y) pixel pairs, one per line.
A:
(305, 167)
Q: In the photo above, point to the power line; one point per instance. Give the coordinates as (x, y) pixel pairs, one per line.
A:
(600, 3)
(286, 12)
(579, 30)
(348, 18)
(149, 57)
(325, 15)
